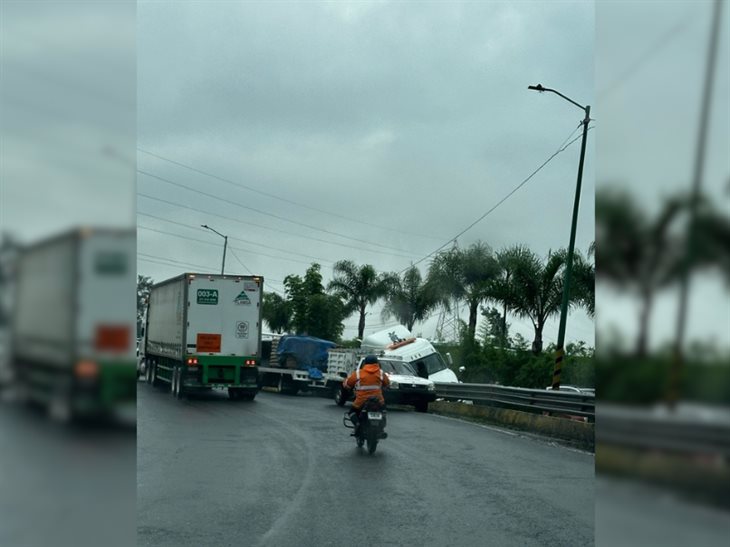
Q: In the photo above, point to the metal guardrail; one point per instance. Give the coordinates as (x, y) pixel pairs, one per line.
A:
(644, 428)
(529, 400)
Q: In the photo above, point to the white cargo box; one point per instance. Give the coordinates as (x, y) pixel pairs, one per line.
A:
(205, 314)
(74, 298)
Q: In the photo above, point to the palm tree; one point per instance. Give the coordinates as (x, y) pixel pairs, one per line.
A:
(409, 299)
(583, 284)
(537, 290)
(358, 287)
(464, 275)
(636, 251)
(500, 290)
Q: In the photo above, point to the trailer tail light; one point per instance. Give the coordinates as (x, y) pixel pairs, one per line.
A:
(250, 363)
(192, 361)
(86, 369)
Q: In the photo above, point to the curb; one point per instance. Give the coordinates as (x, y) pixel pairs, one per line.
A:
(579, 434)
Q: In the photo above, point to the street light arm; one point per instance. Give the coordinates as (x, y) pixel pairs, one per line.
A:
(211, 229)
(541, 89)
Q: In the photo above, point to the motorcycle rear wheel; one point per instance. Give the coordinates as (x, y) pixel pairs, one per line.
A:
(372, 443)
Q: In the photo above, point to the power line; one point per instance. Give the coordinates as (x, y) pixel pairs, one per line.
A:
(500, 202)
(274, 196)
(249, 271)
(258, 253)
(241, 263)
(170, 261)
(259, 211)
(162, 261)
(196, 228)
(243, 222)
(664, 39)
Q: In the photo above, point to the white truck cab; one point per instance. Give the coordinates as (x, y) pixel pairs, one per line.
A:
(406, 388)
(398, 344)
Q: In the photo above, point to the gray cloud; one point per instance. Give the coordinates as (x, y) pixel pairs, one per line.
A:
(416, 120)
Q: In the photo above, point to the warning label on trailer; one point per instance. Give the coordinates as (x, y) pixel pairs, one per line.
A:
(242, 329)
(242, 298)
(208, 343)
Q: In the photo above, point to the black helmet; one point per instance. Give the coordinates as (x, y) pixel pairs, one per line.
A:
(370, 360)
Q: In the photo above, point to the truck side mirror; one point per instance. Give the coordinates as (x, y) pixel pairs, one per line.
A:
(462, 369)
(449, 359)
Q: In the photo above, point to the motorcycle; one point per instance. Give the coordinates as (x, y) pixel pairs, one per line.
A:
(369, 427)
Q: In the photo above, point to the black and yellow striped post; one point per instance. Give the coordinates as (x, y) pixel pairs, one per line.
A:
(560, 352)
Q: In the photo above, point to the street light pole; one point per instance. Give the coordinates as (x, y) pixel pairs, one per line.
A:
(225, 244)
(560, 351)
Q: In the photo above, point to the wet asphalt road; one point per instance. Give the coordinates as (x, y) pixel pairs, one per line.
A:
(632, 514)
(282, 471)
(64, 486)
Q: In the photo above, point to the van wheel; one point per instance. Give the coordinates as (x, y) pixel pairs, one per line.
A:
(340, 399)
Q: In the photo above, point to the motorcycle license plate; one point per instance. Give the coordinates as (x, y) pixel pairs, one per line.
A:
(375, 415)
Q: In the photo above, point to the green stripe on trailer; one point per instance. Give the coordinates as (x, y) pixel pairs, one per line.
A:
(118, 382)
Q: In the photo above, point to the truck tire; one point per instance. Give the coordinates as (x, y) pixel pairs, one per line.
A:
(288, 386)
(154, 380)
(180, 394)
(234, 394)
(173, 382)
(244, 395)
(59, 408)
(422, 406)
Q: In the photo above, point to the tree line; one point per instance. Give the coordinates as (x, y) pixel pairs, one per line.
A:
(515, 279)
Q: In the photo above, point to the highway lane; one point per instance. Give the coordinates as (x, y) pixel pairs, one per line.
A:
(632, 514)
(283, 471)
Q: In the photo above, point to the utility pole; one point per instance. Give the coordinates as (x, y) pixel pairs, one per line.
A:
(675, 373)
(560, 351)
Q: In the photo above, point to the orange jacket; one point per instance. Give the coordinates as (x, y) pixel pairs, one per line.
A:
(367, 382)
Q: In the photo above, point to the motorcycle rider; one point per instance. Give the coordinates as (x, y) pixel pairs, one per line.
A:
(367, 381)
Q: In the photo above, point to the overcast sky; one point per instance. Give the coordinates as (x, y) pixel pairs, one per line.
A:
(650, 68)
(67, 94)
(368, 131)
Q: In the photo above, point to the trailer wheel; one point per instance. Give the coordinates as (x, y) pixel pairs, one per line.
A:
(179, 389)
(59, 408)
(155, 380)
(173, 382)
